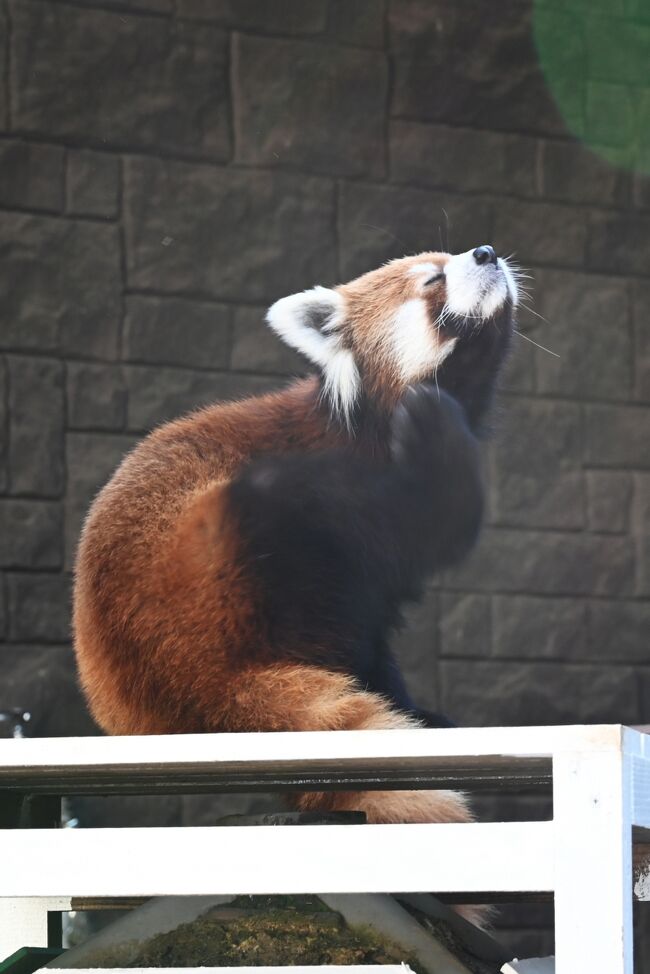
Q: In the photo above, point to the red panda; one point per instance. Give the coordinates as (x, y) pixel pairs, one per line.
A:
(243, 568)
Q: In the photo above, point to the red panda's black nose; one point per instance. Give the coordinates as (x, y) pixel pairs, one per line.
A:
(485, 255)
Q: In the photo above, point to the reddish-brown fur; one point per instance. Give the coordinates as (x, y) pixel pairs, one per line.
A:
(165, 618)
(166, 628)
(168, 634)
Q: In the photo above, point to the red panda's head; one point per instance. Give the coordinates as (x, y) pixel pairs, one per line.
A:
(431, 315)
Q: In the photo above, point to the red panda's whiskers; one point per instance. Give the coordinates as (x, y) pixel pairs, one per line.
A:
(537, 345)
(371, 226)
(527, 308)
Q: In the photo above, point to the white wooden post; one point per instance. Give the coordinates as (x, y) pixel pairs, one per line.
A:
(593, 863)
(23, 921)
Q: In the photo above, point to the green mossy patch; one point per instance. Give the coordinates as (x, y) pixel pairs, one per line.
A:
(260, 931)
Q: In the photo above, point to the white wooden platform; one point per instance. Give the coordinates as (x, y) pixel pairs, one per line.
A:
(600, 779)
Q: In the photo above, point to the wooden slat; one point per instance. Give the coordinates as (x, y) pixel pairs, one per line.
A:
(497, 774)
(459, 757)
(265, 859)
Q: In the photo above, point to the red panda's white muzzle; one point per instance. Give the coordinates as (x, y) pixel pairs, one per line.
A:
(478, 284)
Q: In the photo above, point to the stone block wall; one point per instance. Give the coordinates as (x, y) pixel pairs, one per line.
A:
(168, 168)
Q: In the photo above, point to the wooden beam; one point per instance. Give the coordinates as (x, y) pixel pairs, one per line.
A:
(410, 858)
(460, 757)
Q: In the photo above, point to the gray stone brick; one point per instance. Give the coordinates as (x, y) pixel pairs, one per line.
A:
(433, 83)
(4, 426)
(96, 397)
(31, 176)
(159, 395)
(36, 421)
(357, 22)
(641, 508)
(538, 481)
(617, 436)
(92, 184)
(31, 534)
(39, 607)
(4, 93)
(641, 528)
(571, 172)
(618, 243)
(173, 331)
(48, 304)
(283, 225)
(519, 371)
(641, 319)
(534, 628)
(618, 631)
(415, 650)
(256, 348)
(547, 563)
(642, 587)
(306, 117)
(91, 459)
(43, 680)
(520, 694)
(521, 165)
(446, 157)
(167, 86)
(641, 188)
(378, 223)
(293, 17)
(545, 233)
(146, 6)
(3, 609)
(587, 325)
(465, 625)
(609, 496)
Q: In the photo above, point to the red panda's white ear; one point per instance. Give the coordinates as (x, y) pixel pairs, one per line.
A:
(311, 323)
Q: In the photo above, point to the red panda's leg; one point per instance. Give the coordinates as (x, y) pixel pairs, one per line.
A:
(305, 698)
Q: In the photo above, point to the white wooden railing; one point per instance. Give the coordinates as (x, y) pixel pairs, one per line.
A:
(599, 775)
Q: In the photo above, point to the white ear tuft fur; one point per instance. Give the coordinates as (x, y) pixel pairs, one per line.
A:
(342, 382)
(309, 322)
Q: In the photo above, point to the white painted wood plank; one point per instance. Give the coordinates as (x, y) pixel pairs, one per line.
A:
(640, 787)
(593, 863)
(636, 740)
(243, 762)
(263, 859)
(218, 750)
(23, 922)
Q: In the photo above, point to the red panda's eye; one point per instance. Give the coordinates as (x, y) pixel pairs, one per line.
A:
(436, 277)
